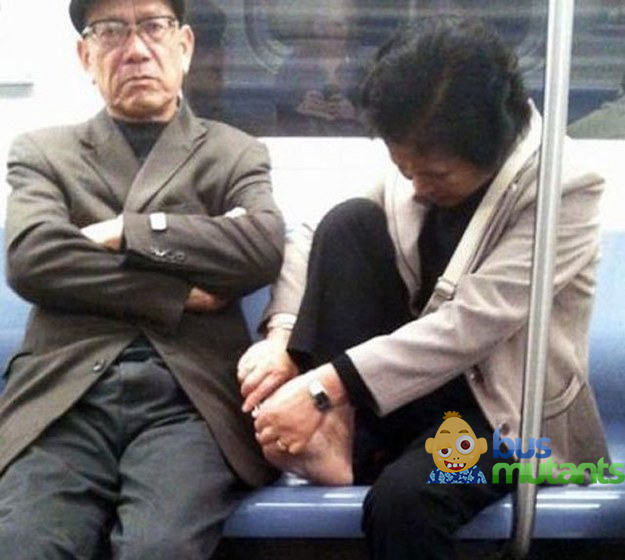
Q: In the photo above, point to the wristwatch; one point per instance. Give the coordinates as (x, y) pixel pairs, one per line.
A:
(319, 396)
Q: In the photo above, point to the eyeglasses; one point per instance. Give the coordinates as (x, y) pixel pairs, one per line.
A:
(112, 33)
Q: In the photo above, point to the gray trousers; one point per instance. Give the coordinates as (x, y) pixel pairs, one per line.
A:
(131, 472)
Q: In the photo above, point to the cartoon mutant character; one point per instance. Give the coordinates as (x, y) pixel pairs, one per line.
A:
(455, 451)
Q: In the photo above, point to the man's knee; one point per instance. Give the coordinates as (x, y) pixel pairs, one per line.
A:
(26, 540)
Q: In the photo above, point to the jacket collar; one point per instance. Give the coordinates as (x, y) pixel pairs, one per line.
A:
(112, 159)
(109, 155)
(523, 150)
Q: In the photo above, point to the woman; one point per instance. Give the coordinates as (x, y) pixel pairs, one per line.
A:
(416, 300)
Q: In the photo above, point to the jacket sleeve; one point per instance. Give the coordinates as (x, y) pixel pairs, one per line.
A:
(490, 305)
(231, 254)
(288, 290)
(52, 264)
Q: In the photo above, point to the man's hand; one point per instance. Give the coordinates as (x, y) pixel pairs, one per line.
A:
(265, 367)
(108, 233)
(341, 108)
(314, 105)
(200, 301)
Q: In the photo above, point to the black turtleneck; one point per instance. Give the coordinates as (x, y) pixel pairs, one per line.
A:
(442, 230)
(141, 136)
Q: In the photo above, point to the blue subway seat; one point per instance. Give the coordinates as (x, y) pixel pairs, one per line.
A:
(292, 508)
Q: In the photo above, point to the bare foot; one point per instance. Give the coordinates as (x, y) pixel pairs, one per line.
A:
(327, 458)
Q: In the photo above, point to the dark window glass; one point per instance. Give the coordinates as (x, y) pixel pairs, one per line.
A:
(292, 67)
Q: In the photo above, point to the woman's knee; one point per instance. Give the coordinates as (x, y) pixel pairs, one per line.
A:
(393, 500)
(353, 231)
(402, 497)
(351, 216)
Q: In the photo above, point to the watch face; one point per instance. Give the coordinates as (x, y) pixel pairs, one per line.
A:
(319, 396)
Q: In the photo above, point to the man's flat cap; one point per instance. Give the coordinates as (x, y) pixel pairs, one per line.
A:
(78, 11)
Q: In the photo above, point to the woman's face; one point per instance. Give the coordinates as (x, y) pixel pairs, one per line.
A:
(438, 179)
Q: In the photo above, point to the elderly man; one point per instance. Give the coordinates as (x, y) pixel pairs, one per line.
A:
(133, 235)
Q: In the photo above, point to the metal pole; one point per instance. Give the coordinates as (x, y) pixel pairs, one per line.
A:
(557, 66)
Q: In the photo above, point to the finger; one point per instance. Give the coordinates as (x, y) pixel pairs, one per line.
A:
(266, 436)
(265, 389)
(266, 419)
(296, 447)
(247, 362)
(215, 302)
(253, 357)
(263, 373)
(243, 371)
(260, 422)
(272, 449)
(253, 378)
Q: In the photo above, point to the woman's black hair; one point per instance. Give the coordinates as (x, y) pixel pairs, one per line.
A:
(450, 85)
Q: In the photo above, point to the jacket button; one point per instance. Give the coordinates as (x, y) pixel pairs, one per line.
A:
(98, 366)
(504, 429)
(159, 253)
(179, 256)
(475, 376)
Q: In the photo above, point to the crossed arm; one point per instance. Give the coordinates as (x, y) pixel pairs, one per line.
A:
(55, 263)
(109, 234)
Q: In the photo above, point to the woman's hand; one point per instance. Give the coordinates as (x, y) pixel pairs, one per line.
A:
(265, 367)
(289, 418)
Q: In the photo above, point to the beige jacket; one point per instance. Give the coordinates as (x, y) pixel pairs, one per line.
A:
(481, 330)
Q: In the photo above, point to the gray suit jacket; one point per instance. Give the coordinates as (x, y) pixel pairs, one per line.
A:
(89, 303)
(480, 331)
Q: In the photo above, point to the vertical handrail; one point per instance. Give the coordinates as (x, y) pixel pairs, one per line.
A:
(557, 66)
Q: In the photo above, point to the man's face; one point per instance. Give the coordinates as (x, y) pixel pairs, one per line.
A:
(438, 179)
(455, 447)
(140, 78)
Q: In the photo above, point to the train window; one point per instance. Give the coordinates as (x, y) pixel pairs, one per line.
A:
(597, 91)
(292, 67)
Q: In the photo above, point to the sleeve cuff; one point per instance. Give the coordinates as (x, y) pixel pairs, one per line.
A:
(357, 392)
(282, 321)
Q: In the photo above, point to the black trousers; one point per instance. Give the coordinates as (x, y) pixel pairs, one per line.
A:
(354, 292)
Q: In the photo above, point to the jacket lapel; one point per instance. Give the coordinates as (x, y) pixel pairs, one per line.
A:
(405, 220)
(109, 156)
(171, 151)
